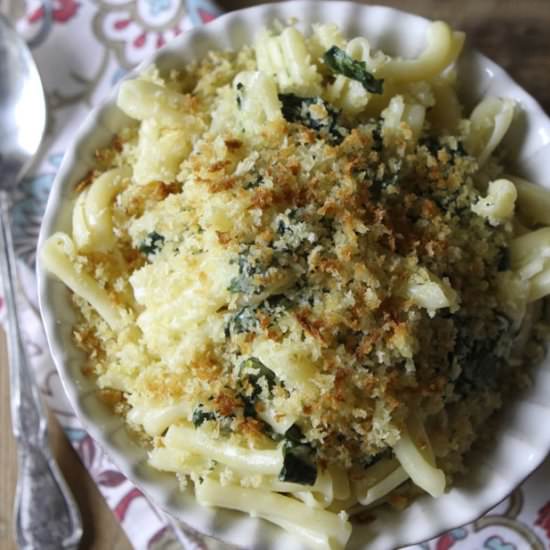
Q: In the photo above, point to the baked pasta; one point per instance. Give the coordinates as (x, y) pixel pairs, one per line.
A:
(303, 276)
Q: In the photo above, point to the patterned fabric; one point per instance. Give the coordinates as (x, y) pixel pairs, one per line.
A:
(82, 48)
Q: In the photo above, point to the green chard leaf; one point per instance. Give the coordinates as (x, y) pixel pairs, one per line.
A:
(296, 109)
(244, 282)
(299, 459)
(294, 434)
(200, 416)
(253, 369)
(341, 63)
(481, 360)
(503, 259)
(152, 244)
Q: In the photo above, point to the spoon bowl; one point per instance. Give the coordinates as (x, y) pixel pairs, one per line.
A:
(22, 105)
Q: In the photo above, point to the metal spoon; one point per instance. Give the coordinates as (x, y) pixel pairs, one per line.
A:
(46, 516)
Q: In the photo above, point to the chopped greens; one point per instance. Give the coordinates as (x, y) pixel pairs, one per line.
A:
(434, 145)
(239, 284)
(299, 459)
(249, 406)
(244, 282)
(152, 244)
(341, 63)
(481, 360)
(294, 434)
(276, 303)
(246, 319)
(503, 256)
(200, 416)
(379, 184)
(254, 183)
(252, 369)
(240, 93)
(298, 109)
(243, 321)
(377, 138)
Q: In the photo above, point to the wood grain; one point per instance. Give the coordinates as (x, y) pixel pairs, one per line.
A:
(515, 34)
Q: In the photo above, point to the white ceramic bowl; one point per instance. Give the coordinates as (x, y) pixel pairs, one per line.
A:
(525, 439)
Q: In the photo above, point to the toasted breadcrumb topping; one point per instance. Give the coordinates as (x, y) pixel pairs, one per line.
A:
(273, 275)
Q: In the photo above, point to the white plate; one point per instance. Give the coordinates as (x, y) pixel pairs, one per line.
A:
(522, 444)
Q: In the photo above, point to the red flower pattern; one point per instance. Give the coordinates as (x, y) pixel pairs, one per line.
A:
(63, 10)
(86, 450)
(543, 519)
(206, 16)
(122, 507)
(110, 478)
(445, 542)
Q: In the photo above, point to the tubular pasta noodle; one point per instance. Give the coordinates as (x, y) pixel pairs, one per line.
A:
(323, 38)
(92, 217)
(430, 292)
(279, 509)
(489, 122)
(529, 253)
(141, 100)
(160, 152)
(498, 206)
(81, 232)
(322, 489)
(279, 425)
(442, 48)
(539, 285)
(414, 117)
(380, 479)
(340, 483)
(240, 458)
(385, 486)
(348, 94)
(58, 256)
(374, 474)
(287, 59)
(513, 292)
(419, 465)
(257, 94)
(156, 420)
(181, 461)
(398, 112)
(321, 494)
(533, 201)
(290, 363)
(446, 112)
(168, 459)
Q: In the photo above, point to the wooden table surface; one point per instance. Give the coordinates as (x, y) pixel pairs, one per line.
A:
(514, 33)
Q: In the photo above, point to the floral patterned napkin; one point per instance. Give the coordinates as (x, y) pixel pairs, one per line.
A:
(82, 48)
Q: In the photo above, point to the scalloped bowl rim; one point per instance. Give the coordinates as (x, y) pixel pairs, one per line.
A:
(426, 517)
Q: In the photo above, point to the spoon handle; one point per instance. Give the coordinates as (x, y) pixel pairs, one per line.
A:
(46, 515)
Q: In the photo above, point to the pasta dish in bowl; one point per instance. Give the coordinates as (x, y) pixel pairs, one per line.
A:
(302, 276)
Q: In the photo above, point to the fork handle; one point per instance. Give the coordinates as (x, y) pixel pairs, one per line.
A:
(46, 515)
(27, 413)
